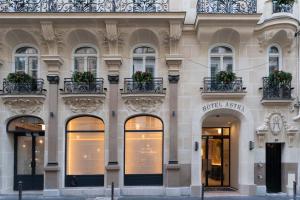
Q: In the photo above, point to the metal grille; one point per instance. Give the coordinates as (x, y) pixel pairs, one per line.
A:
(212, 85)
(278, 8)
(34, 87)
(153, 87)
(73, 87)
(276, 91)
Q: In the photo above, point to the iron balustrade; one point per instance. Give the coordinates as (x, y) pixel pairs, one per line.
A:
(276, 91)
(279, 8)
(212, 85)
(73, 87)
(84, 6)
(34, 87)
(153, 87)
(227, 6)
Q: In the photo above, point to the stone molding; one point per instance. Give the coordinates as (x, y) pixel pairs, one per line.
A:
(173, 78)
(143, 103)
(83, 103)
(24, 104)
(174, 62)
(113, 63)
(113, 79)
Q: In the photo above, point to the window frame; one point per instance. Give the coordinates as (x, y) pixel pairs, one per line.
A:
(144, 56)
(86, 56)
(221, 56)
(279, 55)
(27, 57)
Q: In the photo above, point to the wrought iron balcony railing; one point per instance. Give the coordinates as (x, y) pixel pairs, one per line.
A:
(212, 85)
(34, 87)
(276, 91)
(73, 87)
(84, 5)
(227, 6)
(279, 8)
(153, 87)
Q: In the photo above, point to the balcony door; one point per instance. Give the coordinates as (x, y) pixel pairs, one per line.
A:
(29, 160)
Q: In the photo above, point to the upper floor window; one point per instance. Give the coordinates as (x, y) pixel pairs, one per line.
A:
(221, 59)
(274, 59)
(144, 59)
(26, 60)
(85, 60)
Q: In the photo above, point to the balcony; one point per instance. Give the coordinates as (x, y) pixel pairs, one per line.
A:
(83, 97)
(24, 98)
(282, 8)
(227, 6)
(143, 97)
(276, 94)
(78, 6)
(216, 89)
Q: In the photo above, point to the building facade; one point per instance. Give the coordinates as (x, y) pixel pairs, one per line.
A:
(64, 131)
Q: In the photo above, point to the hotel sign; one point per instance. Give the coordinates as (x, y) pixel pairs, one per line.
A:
(226, 104)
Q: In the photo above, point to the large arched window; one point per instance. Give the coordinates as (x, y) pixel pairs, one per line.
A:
(144, 59)
(274, 58)
(85, 152)
(221, 59)
(85, 60)
(26, 60)
(143, 151)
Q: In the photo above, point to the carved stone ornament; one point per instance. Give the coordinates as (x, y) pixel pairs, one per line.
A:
(84, 103)
(25, 104)
(144, 103)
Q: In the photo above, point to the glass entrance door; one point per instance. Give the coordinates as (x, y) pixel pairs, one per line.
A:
(29, 161)
(215, 155)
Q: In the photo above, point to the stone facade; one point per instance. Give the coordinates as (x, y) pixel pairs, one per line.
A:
(182, 40)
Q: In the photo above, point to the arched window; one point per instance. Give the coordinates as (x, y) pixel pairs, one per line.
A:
(26, 60)
(143, 151)
(85, 60)
(221, 59)
(144, 59)
(274, 59)
(85, 152)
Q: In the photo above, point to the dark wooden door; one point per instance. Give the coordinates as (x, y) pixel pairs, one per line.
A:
(273, 167)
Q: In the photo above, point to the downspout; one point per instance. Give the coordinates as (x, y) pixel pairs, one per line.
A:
(297, 105)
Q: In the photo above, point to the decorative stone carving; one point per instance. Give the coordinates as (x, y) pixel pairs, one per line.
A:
(83, 103)
(291, 132)
(175, 35)
(143, 103)
(24, 104)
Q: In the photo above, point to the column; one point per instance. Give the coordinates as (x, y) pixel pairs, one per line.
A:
(173, 167)
(52, 167)
(113, 167)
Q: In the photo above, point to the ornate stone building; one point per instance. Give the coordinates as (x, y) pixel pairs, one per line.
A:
(169, 131)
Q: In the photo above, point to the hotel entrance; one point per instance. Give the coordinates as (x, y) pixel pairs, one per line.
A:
(215, 155)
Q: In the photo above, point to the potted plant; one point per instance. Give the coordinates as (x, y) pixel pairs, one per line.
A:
(280, 80)
(20, 81)
(84, 81)
(224, 80)
(143, 79)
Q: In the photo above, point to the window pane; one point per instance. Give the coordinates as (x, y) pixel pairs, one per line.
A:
(20, 64)
(33, 65)
(85, 153)
(26, 124)
(26, 50)
(24, 155)
(215, 65)
(273, 64)
(85, 50)
(92, 65)
(215, 162)
(79, 64)
(86, 123)
(212, 131)
(150, 64)
(273, 50)
(144, 123)
(39, 155)
(227, 62)
(226, 162)
(138, 64)
(221, 50)
(143, 153)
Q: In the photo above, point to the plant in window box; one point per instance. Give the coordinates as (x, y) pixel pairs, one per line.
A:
(84, 81)
(279, 82)
(144, 80)
(21, 82)
(225, 79)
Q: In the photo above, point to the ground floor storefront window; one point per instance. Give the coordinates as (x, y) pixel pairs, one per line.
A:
(85, 152)
(143, 151)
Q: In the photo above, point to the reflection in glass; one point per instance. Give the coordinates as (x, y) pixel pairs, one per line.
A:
(39, 155)
(24, 155)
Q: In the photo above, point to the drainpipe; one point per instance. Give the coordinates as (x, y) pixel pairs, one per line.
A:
(297, 105)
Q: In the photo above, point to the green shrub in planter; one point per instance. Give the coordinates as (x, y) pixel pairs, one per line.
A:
(142, 77)
(225, 77)
(83, 77)
(280, 78)
(20, 77)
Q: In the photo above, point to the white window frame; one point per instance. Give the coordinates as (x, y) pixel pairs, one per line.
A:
(85, 56)
(279, 55)
(221, 56)
(15, 55)
(143, 56)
